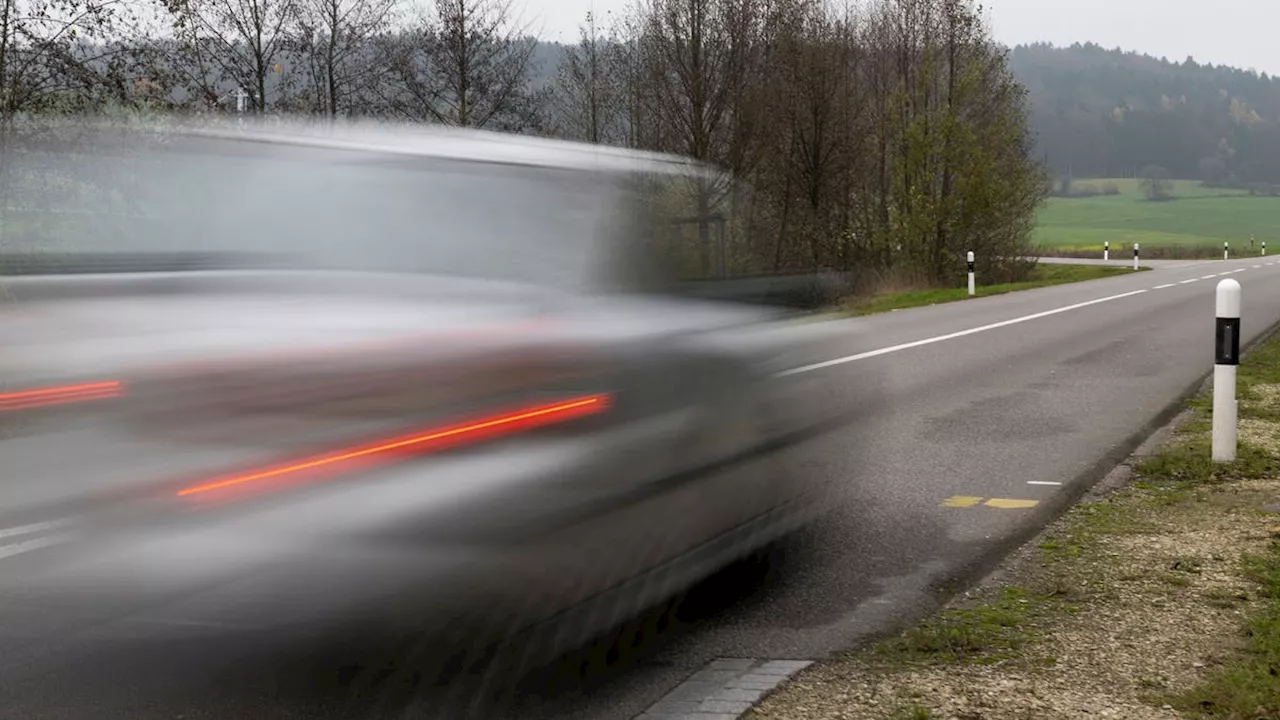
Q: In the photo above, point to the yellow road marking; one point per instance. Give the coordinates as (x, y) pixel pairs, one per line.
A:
(1010, 504)
(966, 501)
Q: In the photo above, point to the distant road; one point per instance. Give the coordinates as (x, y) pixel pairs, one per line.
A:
(1126, 261)
(1001, 409)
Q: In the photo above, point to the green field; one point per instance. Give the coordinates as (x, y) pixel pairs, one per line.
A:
(1196, 222)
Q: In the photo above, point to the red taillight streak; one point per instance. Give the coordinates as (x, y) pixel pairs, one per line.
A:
(24, 399)
(436, 439)
(81, 397)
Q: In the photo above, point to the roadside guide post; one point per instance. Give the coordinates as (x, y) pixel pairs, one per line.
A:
(1224, 250)
(1106, 250)
(1226, 354)
(970, 260)
(1135, 256)
(1264, 248)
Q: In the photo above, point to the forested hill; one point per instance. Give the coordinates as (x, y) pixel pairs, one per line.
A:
(1109, 113)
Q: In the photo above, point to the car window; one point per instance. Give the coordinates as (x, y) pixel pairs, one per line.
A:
(687, 235)
(309, 209)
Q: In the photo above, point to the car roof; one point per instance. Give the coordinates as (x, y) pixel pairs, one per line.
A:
(434, 141)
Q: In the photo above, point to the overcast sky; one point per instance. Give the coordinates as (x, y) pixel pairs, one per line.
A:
(1242, 33)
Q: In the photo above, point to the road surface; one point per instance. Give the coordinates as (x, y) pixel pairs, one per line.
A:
(1001, 410)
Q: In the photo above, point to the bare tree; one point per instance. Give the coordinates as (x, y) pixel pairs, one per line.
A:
(232, 41)
(55, 52)
(810, 88)
(699, 57)
(469, 64)
(629, 74)
(587, 89)
(335, 40)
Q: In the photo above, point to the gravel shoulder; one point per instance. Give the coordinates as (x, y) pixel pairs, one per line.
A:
(1156, 597)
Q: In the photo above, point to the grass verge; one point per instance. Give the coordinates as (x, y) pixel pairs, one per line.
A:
(1041, 276)
(1159, 599)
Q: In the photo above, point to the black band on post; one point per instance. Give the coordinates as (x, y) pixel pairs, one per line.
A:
(970, 267)
(1135, 253)
(1226, 346)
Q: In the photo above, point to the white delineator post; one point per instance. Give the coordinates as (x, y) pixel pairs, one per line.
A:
(969, 258)
(1224, 250)
(1106, 250)
(1226, 357)
(1264, 247)
(1135, 256)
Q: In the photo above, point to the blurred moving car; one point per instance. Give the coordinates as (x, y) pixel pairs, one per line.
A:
(266, 378)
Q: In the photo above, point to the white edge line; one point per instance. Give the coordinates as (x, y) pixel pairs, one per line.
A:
(1239, 270)
(34, 528)
(1206, 277)
(1042, 482)
(1161, 287)
(950, 336)
(1255, 267)
(1184, 282)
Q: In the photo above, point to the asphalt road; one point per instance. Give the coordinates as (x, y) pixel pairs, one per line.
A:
(1023, 398)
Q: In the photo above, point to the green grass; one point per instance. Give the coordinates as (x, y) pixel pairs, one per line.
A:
(1246, 686)
(1249, 686)
(1199, 219)
(986, 633)
(1042, 276)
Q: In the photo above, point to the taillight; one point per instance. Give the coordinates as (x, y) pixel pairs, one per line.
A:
(346, 460)
(60, 395)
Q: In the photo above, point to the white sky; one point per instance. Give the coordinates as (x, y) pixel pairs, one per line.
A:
(1242, 33)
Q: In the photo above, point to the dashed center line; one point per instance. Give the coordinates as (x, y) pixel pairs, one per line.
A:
(1184, 282)
(1206, 277)
(1161, 287)
(1042, 482)
(1255, 267)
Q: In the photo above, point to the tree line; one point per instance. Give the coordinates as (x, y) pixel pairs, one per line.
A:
(1101, 113)
(888, 138)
